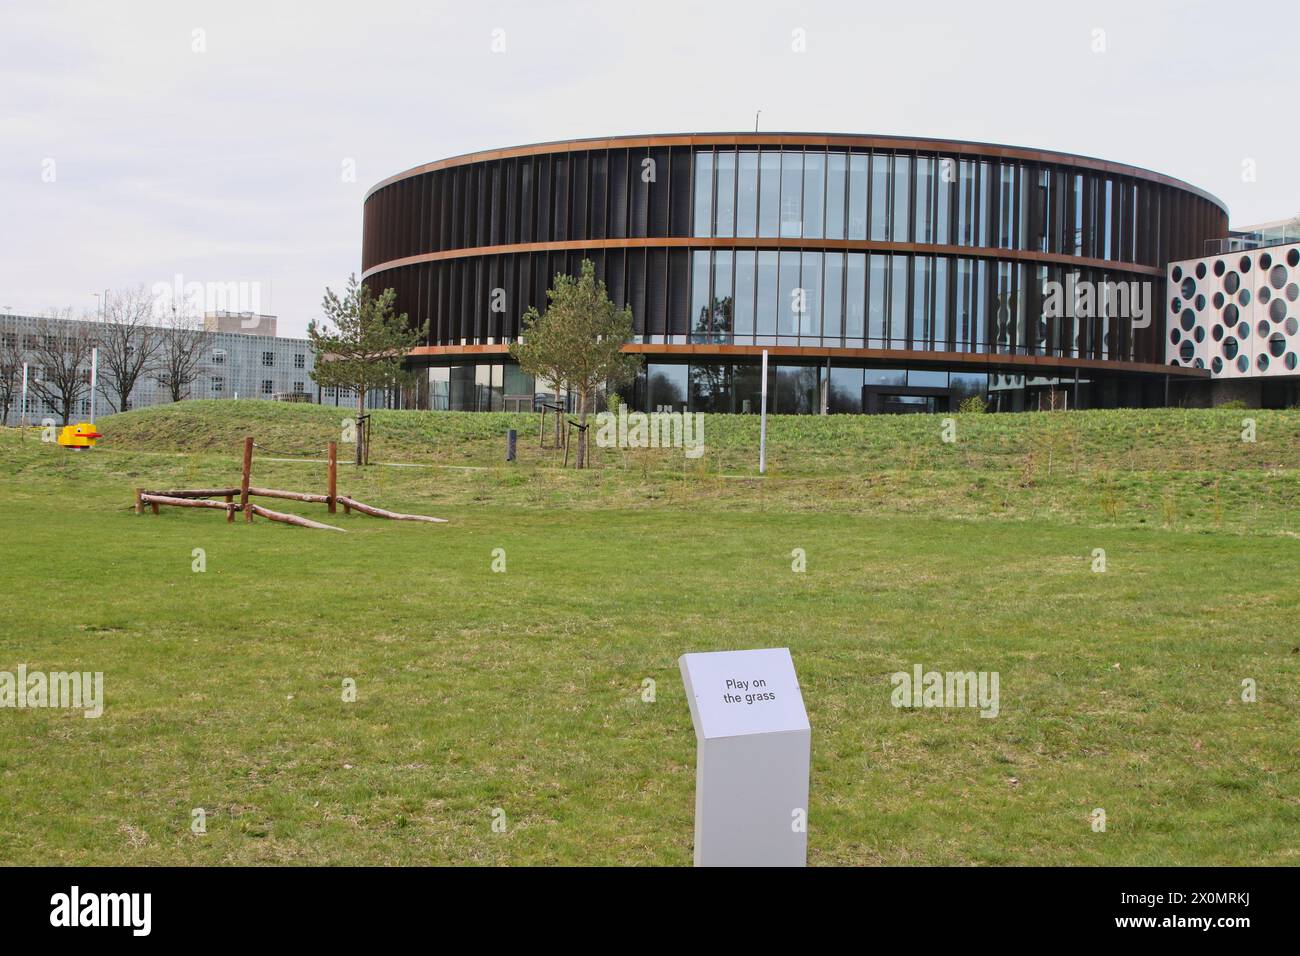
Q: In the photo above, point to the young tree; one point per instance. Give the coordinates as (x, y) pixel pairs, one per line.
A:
(578, 342)
(363, 344)
(180, 352)
(11, 371)
(62, 354)
(128, 344)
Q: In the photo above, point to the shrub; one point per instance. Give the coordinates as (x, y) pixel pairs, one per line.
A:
(974, 404)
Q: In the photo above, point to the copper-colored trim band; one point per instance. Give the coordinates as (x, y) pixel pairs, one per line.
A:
(883, 356)
(830, 245)
(958, 147)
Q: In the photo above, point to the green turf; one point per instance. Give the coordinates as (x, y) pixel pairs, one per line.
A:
(523, 691)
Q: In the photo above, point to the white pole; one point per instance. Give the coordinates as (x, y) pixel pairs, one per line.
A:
(762, 425)
(94, 378)
(23, 422)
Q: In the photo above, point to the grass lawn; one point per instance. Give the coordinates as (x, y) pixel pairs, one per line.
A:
(523, 691)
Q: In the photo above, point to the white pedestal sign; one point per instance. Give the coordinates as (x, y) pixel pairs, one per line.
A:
(752, 754)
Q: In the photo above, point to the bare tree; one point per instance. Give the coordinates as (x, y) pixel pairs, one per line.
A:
(180, 351)
(128, 344)
(11, 371)
(62, 355)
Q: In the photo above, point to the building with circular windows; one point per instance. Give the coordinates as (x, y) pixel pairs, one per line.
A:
(1237, 314)
(879, 273)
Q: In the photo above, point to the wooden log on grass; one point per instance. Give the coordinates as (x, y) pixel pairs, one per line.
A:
(155, 500)
(374, 512)
(195, 492)
(291, 495)
(293, 519)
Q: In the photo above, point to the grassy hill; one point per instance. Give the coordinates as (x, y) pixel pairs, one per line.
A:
(522, 691)
(1170, 467)
(1156, 439)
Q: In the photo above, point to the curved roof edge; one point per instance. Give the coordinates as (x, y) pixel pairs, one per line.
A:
(959, 146)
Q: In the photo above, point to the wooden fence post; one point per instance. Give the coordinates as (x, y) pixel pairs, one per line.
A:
(139, 505)
(332, 492)
(243, 484)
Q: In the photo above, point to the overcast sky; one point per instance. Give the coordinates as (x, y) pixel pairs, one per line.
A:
(133, 149)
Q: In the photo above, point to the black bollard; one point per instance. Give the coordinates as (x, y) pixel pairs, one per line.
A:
(511, 438)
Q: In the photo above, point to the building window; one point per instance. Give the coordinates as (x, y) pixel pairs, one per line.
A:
(703, 193)
(268, 359)
(267, 386)
(837, 170)
(218, 383)
(299, 387)
(791, 194)
(814, 195)
(747, 195)
(724, 220)
(300, 360)
(218, 356)
(769, 193)
(879, 198)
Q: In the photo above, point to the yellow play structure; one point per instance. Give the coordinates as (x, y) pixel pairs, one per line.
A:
(79, 436)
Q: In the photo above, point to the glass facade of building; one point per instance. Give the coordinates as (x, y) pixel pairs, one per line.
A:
(794, 242)
(887, 196)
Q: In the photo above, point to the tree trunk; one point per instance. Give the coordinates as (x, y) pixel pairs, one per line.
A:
(360, 425)
(582, 430)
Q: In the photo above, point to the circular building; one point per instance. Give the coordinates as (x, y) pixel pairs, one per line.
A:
(879, 273)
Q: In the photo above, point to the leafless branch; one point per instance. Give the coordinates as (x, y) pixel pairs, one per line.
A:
(62, 356)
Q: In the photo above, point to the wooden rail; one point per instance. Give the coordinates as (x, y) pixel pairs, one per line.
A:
(195, 492)
(153, 501)
(291, 495)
